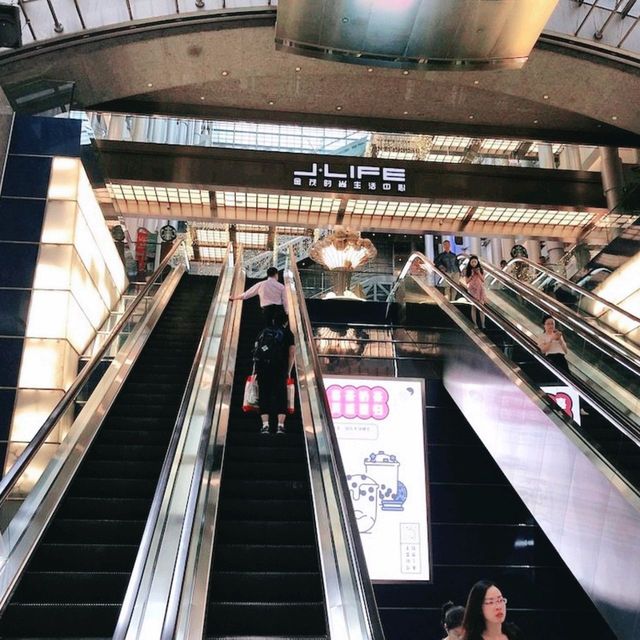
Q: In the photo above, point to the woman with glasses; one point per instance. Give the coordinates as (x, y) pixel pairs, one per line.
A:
(452, 621)
(485, 615)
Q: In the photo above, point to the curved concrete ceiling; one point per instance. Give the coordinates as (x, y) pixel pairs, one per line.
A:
(231, 69)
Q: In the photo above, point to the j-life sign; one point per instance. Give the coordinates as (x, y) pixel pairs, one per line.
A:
(353, 177)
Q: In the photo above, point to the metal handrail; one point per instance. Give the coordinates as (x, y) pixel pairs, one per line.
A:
(602, 405)
(13, 475)
(575, 287)
(170, 624)
(128, 604)
(595, 336)
(350, 528)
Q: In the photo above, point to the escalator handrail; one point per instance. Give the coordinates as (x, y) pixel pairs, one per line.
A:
(602, 405)
(231, 326)
(350, 533)
(15, 472)
(595, 336)
(128, 604)
(577, 288)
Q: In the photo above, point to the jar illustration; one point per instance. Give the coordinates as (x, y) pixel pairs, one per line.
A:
(365, 505)
(384, 469)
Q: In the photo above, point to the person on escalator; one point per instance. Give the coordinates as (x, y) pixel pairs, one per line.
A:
(485, 615)
(447, 261)
(474, 276)
(452, 616)
(273, 300)
(273, 357)
(552, 345)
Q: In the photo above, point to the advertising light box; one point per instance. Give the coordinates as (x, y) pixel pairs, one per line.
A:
(381, 433)
(567, 398)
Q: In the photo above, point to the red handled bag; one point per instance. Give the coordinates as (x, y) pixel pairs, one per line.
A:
(291, 395)
(250, 402)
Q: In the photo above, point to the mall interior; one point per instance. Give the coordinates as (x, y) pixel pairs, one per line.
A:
(432, 180)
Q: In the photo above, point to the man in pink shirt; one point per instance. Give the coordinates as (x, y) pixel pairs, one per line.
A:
(272, 298)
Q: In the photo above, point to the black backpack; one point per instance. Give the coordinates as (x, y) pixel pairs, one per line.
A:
(269, 346)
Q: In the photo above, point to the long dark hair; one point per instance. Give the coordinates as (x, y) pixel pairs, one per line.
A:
(467, 271)
(452, 616)
(474, 622)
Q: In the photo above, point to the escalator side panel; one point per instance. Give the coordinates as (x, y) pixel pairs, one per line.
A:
(590, 518)
(77, 577)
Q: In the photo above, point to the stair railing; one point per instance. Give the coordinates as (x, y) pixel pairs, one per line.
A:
(351, 609)
(32, 489)
(166, 596)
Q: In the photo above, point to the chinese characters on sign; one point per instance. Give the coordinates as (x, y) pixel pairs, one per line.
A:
(365, 178)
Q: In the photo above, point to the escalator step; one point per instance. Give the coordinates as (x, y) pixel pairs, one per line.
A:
(238, 488)
(105, 508)
(69, 587)
(270, 454)
(258, 618)
(120, 469)
(266, 532)
(112, 487)
(266, 586)
(130, 452)
(62, 621)
(263, 557)
(256, 439)
(85, 557)
(266, 509)
(96, 531)
(266, 470)
(131, 437)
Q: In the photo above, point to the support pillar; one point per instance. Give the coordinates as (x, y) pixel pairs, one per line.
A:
(533, 249)
(139, 129)
(496, 250)
(507, 245)
(555, 251)
(475, 246)
(116, 127)
(612, 180)
(574, 161)
(545, 156)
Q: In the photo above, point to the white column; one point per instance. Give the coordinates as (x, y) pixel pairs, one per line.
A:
(574, 162)
(533, 249)
(116, 127)
(496, 250)
(555, 250)
(545, 156)
(139, 129)
(507, 245)
(475, 245)
(428, 247)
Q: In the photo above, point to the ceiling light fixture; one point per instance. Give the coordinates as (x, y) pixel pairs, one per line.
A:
(476, 82)
(405, 73)
(225, 73)
(536, 121)
(271, 102)
(338, 108)
(471, 117)
(545, 96)
(370, 69)
(149, 84)
(614, 117)
(298, 69)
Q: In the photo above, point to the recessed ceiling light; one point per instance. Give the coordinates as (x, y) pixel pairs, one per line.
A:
(201, 97)
(476, 82)
(406, 113)
(149, 84)
(271, 102)
(370, 69)
(405, 73)
(536, 121)
(545, 96)
(225, 73)
(614, 117)
(338, 108)
(471, 117)
(298, 69)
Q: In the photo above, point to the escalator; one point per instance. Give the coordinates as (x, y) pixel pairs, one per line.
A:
(579, 475)
(265, 578)
(76, 579)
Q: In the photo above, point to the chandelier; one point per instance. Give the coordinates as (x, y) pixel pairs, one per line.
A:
(343, 250)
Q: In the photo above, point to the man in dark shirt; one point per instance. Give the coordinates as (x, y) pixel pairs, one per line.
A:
(448, 263)
(274, 355)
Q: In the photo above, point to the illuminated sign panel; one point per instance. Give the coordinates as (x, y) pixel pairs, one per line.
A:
(380, 428)
(353, 177)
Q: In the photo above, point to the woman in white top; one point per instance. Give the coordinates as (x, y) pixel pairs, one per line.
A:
(552, 345)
